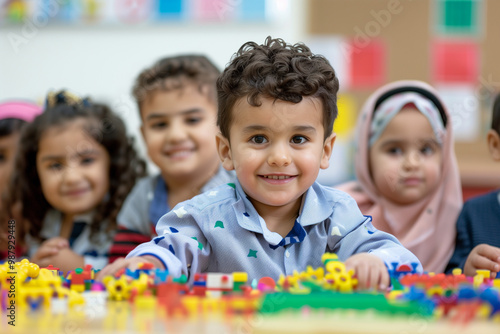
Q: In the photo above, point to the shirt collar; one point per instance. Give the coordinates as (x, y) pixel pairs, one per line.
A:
(315, 209)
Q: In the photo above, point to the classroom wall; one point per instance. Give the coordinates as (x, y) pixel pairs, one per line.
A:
(102, 60)
(451, 44)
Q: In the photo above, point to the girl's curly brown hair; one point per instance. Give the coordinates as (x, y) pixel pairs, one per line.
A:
(103, 126)
(279, 71)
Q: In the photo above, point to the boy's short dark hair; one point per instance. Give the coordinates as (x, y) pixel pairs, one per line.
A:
(280, 71)
(495, 119)
(175, 73)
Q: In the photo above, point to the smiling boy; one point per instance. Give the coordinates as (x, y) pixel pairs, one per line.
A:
(277, 105)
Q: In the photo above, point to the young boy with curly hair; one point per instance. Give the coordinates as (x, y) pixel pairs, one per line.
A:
(277, 105)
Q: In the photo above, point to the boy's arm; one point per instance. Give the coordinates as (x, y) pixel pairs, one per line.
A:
(181, 246)
(463, 243)
(367, 239)
(133, 221)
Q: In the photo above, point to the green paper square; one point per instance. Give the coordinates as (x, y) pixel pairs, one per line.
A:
(458, 16)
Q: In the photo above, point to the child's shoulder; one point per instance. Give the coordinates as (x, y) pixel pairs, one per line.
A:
(331, 194)
(486, 199)
(217, 196)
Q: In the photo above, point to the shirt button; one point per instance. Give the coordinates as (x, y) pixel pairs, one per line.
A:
(287, 254)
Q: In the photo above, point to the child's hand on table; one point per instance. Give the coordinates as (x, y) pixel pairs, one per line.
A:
(483, 257)
(370, 271)
(47, 250)
(131, 263)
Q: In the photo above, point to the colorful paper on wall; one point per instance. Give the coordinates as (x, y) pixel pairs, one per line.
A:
(455, 62)
(214, 10)
(458, 16)
(367, 64)
(169, 9)
(464, 108)
(252, 10)
(346, 118)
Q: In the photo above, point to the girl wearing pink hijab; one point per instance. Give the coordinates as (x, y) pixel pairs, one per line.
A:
(407, 174)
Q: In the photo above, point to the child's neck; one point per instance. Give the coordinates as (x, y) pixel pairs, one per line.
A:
(180, 190)
(280, 219)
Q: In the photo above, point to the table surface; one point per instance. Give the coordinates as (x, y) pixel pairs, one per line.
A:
(123, 317)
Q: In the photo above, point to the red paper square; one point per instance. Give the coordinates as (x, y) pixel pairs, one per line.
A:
(367, 64)
(455, 62)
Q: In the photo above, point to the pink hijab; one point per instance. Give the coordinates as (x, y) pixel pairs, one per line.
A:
(426, 228)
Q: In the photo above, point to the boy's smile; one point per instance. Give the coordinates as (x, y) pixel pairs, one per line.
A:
(276, 150)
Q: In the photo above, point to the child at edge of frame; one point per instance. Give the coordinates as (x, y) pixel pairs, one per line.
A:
(477, 246)
(74, 168)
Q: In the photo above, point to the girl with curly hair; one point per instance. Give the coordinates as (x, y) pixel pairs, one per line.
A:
(75, 167)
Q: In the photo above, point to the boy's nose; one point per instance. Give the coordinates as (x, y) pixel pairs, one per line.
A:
(279, 155)
(176, 132)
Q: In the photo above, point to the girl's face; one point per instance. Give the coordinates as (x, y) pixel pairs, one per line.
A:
(8, 148)
(405, 162)
(73, 168)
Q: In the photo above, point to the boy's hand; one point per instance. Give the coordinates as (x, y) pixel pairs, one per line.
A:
(47, 250)
(483, 257)
(131, 263)
(370, 271)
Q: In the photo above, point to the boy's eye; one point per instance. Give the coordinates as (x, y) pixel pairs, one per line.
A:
(258, 139)
(299, 140)
(3, 157)
(193, 120)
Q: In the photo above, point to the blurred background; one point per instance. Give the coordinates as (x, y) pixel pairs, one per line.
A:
(98, 47)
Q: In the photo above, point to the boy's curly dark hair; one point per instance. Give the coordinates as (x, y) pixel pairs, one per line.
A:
(174, 73)
(495, 118)
(279, 71)
(103, 126)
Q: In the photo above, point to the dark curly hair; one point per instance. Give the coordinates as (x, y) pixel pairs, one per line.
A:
(495, 118)
(174, 73)
(279, 71)
(103, 126)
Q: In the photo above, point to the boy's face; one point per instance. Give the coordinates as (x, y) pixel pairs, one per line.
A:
(405, 161)
(179, 128)
(276, 149)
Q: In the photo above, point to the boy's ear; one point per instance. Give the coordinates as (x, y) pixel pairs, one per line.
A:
(327, 151)
(224, 150)
(494, 144)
